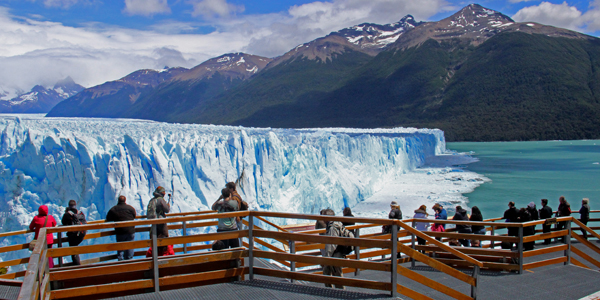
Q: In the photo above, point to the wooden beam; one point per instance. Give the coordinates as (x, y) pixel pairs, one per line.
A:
(14, 248)
(55, 252)
(13, 275)
(546, 262)
(320, 217)
(11, 282)
(546, 250)
(14, 262)
(487, 265)
(578, 263)
(585, 242)
(411, 293)
(224, 235)
(167, 261)
(472, 251)
(410, 274)
(467, 236)
(592, 232)
(102, 289)
(543, 236)
(367, 284)
(189, 278)
(433, 241)
(585, 256)
(91, 271)
(436, 264)
(322, 239)
(313, 260)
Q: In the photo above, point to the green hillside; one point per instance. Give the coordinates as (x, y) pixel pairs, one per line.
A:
(514, 86)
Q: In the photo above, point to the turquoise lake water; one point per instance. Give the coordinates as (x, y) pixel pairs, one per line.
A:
(529, 171)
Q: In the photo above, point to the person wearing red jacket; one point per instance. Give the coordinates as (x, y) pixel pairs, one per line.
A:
(169, 251)
(38, 223)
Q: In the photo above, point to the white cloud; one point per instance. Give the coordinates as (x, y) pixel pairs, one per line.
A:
(146, 7)
(34, 51)
(60, 3)
(562, 15)
(214, 8)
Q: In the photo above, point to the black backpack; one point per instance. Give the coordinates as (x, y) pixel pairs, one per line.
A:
(78, 219)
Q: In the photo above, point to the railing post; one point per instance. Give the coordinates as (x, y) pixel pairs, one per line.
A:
(292, 245)
(568, 240)
(412, 244)
(520, 250)
(492, 243)
(184, 233)
(357, 252)
(155, 258)
(60, 259)
(394, 260)
(251, 246)
(474, 287)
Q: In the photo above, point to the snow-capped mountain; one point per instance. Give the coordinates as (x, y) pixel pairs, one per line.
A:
(232, 65)
(41, 99)
(367, 38)
(476, 24)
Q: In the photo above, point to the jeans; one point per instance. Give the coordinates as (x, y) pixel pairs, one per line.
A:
(125, 254)
(465, 243)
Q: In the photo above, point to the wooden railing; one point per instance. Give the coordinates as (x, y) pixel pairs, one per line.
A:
(294, 250)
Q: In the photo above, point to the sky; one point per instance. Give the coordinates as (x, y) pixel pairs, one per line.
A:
(94, 41)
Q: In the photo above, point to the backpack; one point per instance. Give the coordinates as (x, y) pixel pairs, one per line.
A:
(345, 250)
(78, 219)
(151, 210)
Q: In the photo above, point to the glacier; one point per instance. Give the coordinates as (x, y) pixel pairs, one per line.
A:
(93, 161)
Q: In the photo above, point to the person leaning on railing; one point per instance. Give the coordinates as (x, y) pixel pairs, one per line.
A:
(74, 217)
(546, 213)
(477, 216)
(224, 205)
(511, 215)
(524, 217)
(43, 219)
(461, 215)
(421, 213)
(564, 210)
(334, 229)
(118, 213)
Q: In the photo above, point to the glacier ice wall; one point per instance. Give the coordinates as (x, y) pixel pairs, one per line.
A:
(93, 161)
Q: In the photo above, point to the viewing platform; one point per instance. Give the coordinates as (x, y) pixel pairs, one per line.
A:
(280, 263)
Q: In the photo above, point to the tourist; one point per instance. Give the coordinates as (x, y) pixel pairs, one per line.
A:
(477, 229)
(584, 211)
(334, 229)
(74, 217)
(162, 251)
(158, 207)
(421, 213)
(511, 215)
(119, 213)
(42, 220)
(564, 210)
(347, 212)
(461, 215)
(532, 210)
(525, 216)
(440, 214)
(225, 205)
(241, 203)
(546, 213)
(395, 213)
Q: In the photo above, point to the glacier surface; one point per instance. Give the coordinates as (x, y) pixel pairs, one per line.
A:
(93, 161)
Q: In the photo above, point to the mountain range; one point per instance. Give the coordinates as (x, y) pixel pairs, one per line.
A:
(41, 99)
(477, 75)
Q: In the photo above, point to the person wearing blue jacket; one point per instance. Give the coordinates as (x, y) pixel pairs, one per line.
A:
(440, 213)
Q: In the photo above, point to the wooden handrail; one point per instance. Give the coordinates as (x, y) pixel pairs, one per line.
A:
(439, 244)
(272, 224)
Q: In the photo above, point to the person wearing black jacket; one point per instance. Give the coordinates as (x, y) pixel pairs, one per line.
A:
(395, 213)
(533, 212)
(72, 217)
(347, 212)
(564, 210)
(546, 213)
(123, 212)
(461, 215)
(525, 216)
(477, 229)
(584, 211)
(512, 215)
